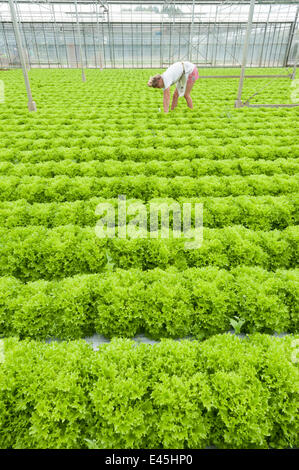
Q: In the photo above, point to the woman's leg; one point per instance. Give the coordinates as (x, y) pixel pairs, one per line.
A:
(175, 99)
(187, 93)
(191, 80)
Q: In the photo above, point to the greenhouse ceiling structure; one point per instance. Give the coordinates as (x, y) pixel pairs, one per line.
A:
(149, 34)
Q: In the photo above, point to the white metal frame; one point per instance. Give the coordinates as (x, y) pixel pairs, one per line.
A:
(31, 103)
(104, 5)
(80, 42)
(239, 103)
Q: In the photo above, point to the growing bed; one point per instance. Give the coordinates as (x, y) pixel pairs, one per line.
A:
(89, 143)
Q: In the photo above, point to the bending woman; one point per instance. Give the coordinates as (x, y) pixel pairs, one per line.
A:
(184, 74)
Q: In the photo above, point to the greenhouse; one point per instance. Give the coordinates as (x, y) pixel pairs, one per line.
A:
(149, 226)
(149, 34)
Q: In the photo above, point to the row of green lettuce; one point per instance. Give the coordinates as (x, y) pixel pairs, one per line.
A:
(64, 188)
(197, 302)
(225, 392)
(99, 128)
(194, 168)
(127, 111)
(270, 122)
(208, 94)
(32, 253)
(61, 100)
(97, 151)
(126, 105)
(151, 139)
(253, 212)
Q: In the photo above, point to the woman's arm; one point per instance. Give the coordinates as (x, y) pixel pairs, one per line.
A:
(166, 100)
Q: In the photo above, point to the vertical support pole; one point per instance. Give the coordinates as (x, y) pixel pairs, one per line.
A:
(22, 34)
(296, 60)
(291, 37)
(111, 46)
(31, 103)
(265, 35)
(161, 36)
(238, 102)
(191, 34)
(56, 37)
(294, 71)
(80, 42)
(214, 50)
(98, 29)
(295, 64)
(170, 35)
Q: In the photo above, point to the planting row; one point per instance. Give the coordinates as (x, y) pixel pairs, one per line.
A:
(213, 117)
(194, 168)
(143, 130)
(145, 154)
(225, 392)
(216, 93)
(256, 212)
(210, 93)
(155, 141)
(33, 253)
(70, 124)
(64, 188)
(197, 302)
(211, 99)
(73, 127)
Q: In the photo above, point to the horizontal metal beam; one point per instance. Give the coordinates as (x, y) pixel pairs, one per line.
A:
(154, 23)
(159, 2)
(247, 76)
